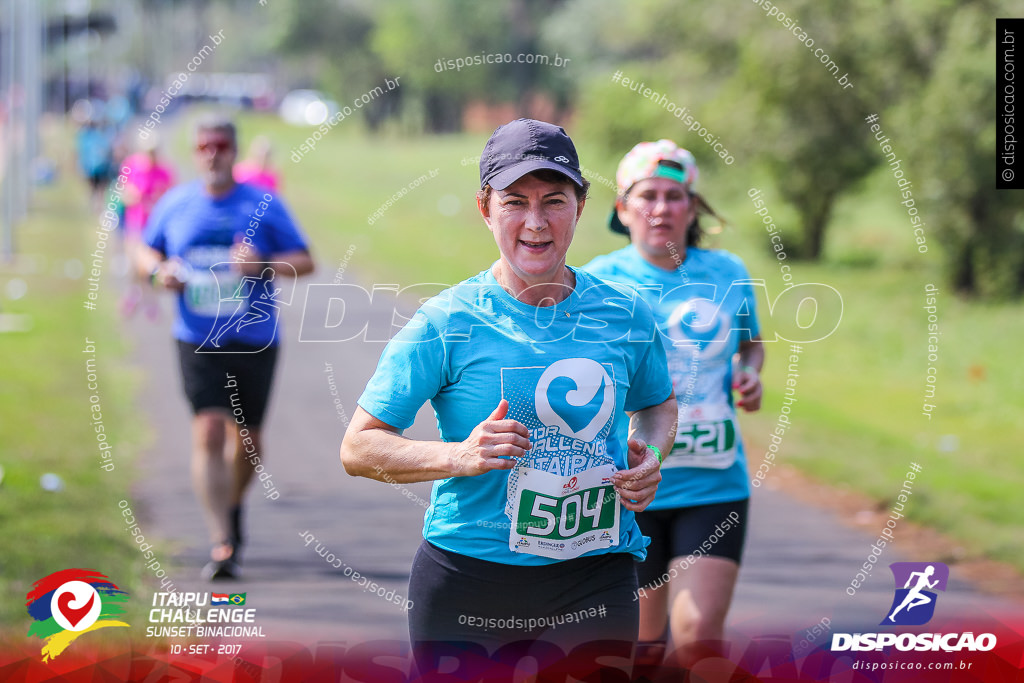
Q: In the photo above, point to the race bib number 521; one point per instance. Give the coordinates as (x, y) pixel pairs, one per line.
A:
(706, 437)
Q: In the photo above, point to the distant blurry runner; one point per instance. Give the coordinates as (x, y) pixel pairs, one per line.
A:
(704, 305)
(149, 178)
(256, 168)
(195, 246)
(95, 146)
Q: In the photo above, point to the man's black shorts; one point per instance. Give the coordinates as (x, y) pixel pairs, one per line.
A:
(237, 378)
(679, 532)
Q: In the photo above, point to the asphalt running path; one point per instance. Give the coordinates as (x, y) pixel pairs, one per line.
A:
(799, 559)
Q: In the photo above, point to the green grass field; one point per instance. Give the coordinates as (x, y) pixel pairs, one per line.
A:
(857, 422)
(47, 424)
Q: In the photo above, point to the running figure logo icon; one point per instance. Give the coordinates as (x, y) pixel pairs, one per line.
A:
(250, 300)
(914, 603)
(248, 308)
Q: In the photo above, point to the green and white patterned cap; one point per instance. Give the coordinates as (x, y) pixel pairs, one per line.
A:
(643, 162)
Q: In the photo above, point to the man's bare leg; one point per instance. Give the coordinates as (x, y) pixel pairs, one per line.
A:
(242, 456)
(211, 477)
(246, 453)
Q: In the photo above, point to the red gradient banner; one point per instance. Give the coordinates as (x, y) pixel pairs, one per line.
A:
(764, 657)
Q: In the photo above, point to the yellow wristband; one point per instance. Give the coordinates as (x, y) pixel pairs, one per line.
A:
(657, 453)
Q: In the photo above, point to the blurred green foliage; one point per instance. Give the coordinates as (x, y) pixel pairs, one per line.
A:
(784, 87)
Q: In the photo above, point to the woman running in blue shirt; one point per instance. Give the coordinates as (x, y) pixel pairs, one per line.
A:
(530, 369)
(705, 309)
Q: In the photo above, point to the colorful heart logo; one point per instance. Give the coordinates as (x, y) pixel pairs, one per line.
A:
(70, 613)
(75, 605)
(69, 603)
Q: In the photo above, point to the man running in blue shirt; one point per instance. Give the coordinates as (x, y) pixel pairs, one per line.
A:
(203, 239)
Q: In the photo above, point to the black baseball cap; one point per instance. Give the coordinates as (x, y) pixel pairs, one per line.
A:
(526, 145)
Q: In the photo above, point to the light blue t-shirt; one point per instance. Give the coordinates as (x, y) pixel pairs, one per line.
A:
(569, 371)
(219, 305)
(704, 309)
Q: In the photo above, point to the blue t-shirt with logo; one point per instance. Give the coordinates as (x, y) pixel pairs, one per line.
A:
(568, 371)
(219, 304)
(704, 309)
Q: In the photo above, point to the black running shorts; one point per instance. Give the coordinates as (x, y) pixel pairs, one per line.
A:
(680, 532)
(237, 378)
(457, 598)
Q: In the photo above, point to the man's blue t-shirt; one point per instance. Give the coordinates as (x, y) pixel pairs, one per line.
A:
(704, 309)
(568, 371)
(219, 305)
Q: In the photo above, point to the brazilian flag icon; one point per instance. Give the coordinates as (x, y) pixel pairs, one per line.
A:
(237, 598)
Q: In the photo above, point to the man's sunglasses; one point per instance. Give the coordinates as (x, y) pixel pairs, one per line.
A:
(219, 146)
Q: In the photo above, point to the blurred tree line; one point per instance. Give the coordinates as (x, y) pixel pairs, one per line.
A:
(925, 67)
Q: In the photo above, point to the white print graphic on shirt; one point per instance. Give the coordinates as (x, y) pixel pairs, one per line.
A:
(559, 404)
(560, 496)
(582, 371)
(702, 323)
(707, 433)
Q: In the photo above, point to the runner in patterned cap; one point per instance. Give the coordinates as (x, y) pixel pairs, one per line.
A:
(705, 310)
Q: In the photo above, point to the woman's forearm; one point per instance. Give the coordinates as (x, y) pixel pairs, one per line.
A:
(377, 450)
(656, 425)
(386, 456)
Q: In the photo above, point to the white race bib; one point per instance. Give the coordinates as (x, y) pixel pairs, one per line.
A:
(205, 289)
(563, 517)
(707, 436)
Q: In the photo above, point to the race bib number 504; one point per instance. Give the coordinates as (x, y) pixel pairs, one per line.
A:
(564, 517)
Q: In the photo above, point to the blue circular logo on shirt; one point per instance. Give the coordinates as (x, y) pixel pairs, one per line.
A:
(700, 322)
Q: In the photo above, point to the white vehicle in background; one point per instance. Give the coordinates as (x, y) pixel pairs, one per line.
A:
(307, 108)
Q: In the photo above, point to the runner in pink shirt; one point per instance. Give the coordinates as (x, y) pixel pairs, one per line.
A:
(149, 179)
(256, 168)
